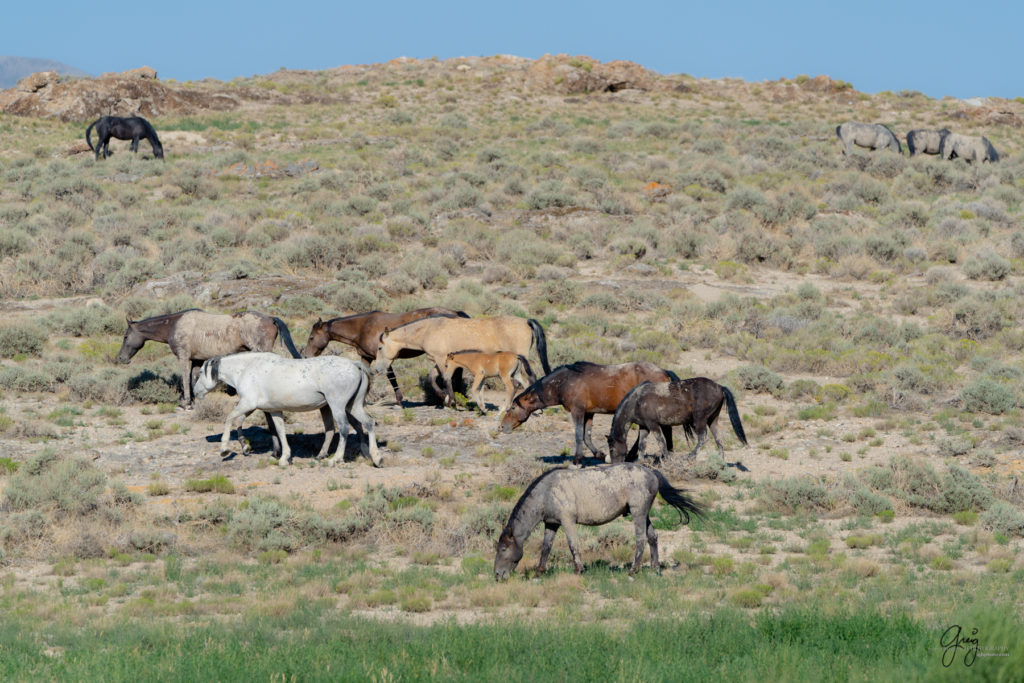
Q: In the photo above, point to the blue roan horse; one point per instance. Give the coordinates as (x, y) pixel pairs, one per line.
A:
(133, 128)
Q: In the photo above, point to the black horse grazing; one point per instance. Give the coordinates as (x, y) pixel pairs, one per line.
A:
(133, 128)
(693, 403)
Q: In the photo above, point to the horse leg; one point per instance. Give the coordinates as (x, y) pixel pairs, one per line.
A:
(660, 437)
(275, 435)
(545, 547)
(478, 383)
(640, 523)
(134, 147)
(186, 380)
(639, 446)
(702, 436)
(588, 424)
(718, 442)
(240, 412)
(579, 425)
(328, 418)
(510, 390)
(652, 540)
(286, 452)
(394, 385)
(574, 545)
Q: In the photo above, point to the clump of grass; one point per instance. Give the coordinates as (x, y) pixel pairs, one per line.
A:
(215, 484)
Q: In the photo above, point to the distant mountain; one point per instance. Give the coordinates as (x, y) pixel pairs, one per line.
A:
(13, 69)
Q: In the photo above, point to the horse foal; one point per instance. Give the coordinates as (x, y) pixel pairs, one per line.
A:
(503, 364)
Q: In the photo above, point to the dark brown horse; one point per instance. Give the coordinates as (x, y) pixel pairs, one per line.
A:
(362, 331)
(195, 336)
(693, 403)
(583, 389)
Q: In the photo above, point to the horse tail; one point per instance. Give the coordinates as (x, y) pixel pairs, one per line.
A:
(286, 337)
(88, 131)
(734, 416)
(359, 397)
(541, 342)
(678, 499)
(525, 365)
(910, 142)
(461, 314)
(992, 154)
(839, 133)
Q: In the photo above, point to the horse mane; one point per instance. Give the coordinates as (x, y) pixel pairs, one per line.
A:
(628, 402)
(348, 317)
(556, 375)
(526, 494)
(166, 316)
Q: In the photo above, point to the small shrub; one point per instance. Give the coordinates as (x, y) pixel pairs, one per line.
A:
(21, 339)
(759, 378)
(985, 395)
(216, 484)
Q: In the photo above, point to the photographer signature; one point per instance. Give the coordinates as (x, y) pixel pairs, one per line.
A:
(953, 640)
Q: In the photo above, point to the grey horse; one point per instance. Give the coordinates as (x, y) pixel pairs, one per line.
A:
(596, 495)
(968, 148)
(867, 135)
(925, 141)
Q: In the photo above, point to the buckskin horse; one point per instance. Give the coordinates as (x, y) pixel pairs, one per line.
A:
(132, 128)
(362, 332)
(583, 389)
(438, 336)
(693, 403)
(196, 336)
(564, 498)
(265, 381)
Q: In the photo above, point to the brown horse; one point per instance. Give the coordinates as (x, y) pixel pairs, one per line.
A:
(583, 389)
(693, 403)
(437, 337)
(482, 365)
(362, 331)
(195, 336)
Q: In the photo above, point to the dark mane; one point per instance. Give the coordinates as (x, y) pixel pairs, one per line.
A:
(418, 320)
(167, 316)
(349, 317)
(455, 353)
(526, 494)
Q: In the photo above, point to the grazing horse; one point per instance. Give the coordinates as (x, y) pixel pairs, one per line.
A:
(868, 135)
(133, 128)
(437, 337)
(195, 336)
(925, 141)
(482, 365)
(265, 381)
(583, 389)
(693, 403)
(362, 331)
(968, 148)
(564, 498)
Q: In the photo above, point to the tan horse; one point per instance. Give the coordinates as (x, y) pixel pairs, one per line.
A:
(503, 364)
(196, 336)
(437, 337)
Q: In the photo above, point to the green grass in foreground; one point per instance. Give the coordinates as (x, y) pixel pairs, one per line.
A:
(315, 642)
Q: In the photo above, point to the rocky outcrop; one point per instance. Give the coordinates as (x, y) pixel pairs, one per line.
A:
(565, 75)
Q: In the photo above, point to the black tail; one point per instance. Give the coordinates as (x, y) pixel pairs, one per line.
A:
(286, 337)
(526, 368)
(88, 131)
(462, 314)
(542, 344)
(678, 499)
(734, 416)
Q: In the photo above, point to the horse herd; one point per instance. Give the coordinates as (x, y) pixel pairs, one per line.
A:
(946, 144)
(236, 351)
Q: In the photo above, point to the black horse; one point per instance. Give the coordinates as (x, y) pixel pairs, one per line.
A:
(133, 128)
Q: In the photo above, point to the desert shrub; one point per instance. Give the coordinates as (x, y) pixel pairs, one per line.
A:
(48, 481)
(715, 468)
(352, 297)
(795, 493)
(105, 386)
(147, 387)
(985, 395)
(1004, 518)
(89, 321)
(962, 490)
(18, 378)
(14, 242)
(759, 378)
(550, 194)
(986, 265)
(560, 292)
(426, 271)
(21, 339)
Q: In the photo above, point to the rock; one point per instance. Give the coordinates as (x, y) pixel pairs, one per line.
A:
(141, 72)
(37, 81)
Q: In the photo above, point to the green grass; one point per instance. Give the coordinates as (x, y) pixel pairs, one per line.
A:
(314, 641)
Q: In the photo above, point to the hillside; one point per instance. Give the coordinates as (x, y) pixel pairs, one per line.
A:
(13, 69)
(865, 311)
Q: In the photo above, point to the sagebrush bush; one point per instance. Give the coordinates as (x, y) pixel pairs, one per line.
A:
(48, 481)
(21, 338)
(985, 395)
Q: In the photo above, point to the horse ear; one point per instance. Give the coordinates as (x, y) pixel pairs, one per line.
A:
(319, 321)
(129, 321)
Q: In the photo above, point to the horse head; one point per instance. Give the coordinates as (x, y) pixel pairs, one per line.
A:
(507, 554)
(132, 342)
(319, 337)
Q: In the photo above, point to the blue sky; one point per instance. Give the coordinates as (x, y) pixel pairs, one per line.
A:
(939, 48)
